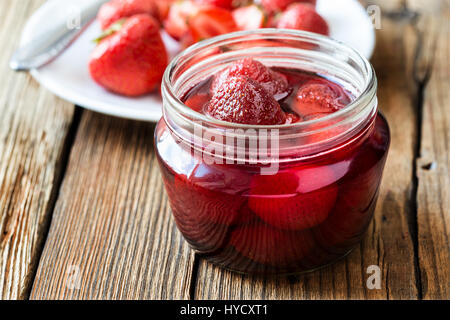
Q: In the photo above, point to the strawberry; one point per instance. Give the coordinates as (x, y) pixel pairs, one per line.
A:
(280, 5)
(198, 214)
(275, 83)
(357, 193)
(352, 213)
(209, 22)
(249, 18)
(246, 217)
(243, 100)
(179, 13)
(132, 60)
(321, 131)
(211, 193)
(224, 4)
(115, 10)
(267, 245)
(294, 199)
(301, 16)
(317, 98)
(163, 7)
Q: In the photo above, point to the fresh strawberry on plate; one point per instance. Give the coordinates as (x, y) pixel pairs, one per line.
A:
(280, 5)
(249, 17)
(163, 7)
(209, 22)
(115, 10)
(176, 24)
(304, 17)
(318, 98)
(352, 213)
(224, 4)
(131, 59)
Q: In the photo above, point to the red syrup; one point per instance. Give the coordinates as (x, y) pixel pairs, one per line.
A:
(310, 213)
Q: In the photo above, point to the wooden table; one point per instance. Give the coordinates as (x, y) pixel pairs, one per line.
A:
(83, 213)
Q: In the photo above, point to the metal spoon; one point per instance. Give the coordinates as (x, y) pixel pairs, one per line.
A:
(52, 43)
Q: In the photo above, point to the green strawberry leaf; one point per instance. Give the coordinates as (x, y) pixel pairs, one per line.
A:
(116, 26)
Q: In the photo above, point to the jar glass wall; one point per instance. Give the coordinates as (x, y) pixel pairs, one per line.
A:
(272, 199)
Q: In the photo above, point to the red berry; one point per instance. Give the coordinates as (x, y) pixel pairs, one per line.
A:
(352, 213)
(280, 5)
(206, 202)
(163, 7)
(196, 212)
(249, 17)
(319, 98)
(243, 100)
(301, 16)
(295, 199)
(200, 203)
(271, 246)
(209, 22)
(212, 193)
(178, 16)
(275, 83)
(224, 4)
(132, 60)
(115, 10)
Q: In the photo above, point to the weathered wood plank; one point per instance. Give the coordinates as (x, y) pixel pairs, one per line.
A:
(389, 242)
(433, 196)
(112, 225)
(33, 129)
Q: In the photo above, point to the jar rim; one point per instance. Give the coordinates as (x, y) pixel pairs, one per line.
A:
(366, 95)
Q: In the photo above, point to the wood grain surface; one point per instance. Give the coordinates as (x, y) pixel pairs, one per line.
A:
(112, 235)
(433, 197)
(34, 126)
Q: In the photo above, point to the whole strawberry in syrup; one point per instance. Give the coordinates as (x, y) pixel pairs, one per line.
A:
(243, 100)
(318, 98)
(273, 82)
(295, 199)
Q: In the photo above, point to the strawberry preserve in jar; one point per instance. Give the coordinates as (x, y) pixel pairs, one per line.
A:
(271, 149)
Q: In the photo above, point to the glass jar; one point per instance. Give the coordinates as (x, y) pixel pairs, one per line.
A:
(278, 199)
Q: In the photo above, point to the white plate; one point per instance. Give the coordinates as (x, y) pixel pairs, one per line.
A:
(68, 75)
